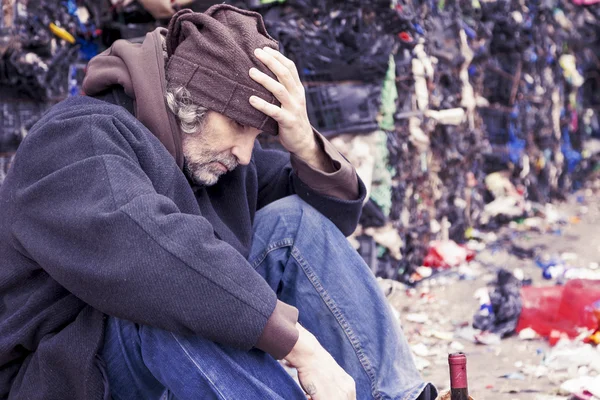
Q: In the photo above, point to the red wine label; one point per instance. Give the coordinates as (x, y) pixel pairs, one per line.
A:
(458, 376)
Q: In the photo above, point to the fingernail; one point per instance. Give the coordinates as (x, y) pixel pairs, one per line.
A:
(258, 51)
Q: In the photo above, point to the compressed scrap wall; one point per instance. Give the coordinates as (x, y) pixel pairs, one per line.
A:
(478, 87)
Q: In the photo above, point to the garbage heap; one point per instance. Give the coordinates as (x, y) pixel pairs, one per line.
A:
(44, 48)
(457, 114)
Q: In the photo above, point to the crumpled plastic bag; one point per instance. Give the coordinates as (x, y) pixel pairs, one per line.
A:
(506, 305)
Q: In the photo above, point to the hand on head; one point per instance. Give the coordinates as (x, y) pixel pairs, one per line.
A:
(295, 132)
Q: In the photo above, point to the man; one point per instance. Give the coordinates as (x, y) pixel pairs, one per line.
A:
(151, 248)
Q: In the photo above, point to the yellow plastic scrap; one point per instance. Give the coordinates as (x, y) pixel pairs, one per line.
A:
(61, 33)
(594, 338)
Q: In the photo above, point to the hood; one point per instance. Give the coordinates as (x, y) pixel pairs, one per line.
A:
(140, 70)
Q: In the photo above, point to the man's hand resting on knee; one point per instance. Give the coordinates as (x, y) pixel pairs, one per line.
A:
(320, 376)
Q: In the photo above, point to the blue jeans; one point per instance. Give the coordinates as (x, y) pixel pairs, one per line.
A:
(310, 265)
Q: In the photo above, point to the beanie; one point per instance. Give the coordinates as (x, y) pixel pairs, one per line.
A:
(210, 55)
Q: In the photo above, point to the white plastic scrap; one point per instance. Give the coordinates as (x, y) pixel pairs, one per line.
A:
(452, 116)
(583, 384)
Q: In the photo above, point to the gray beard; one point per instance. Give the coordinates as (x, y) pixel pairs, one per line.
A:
(193, 172)
(189, 172)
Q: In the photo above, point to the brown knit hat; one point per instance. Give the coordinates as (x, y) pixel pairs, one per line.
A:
(211, 53)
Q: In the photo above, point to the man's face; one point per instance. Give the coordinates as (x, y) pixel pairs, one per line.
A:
(219, 147)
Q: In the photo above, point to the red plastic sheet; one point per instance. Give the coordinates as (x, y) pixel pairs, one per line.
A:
(560, 308)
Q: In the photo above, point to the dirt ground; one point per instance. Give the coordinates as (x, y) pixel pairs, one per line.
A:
(448, 304)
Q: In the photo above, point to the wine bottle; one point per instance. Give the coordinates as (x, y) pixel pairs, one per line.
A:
(459, 390)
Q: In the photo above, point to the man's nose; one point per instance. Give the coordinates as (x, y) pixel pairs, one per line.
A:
(243, 151)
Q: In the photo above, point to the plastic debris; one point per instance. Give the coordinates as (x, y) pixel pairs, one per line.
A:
(501, 314)
(585, 387)
(514, 376)
(457, 346)
(419, 318)
(488, 338)
(528, 334)
(420, 350)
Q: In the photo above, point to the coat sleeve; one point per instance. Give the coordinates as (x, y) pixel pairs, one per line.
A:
(91, 218)
(278, 176)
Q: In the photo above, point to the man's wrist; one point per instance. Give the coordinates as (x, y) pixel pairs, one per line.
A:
(304, 349)
(309, 152)
(314, 155)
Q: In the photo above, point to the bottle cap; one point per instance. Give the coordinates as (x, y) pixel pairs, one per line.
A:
(457, 358)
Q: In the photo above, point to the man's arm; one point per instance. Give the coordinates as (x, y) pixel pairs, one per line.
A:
(317, 162)
(316, 158)
(92, 219)
(314, 170)
(322, 176)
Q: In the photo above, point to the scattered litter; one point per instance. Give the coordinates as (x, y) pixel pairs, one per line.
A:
(514, 376)
(447, 336)
(457, 346)
(418, 318)
(528, 334)
(420, 350)
(488, 338)
(585, 387)
(569, 355)
(421, 363)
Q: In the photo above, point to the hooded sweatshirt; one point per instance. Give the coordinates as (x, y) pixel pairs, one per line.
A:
(97, 218)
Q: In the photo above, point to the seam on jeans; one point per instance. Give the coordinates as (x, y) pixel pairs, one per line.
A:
(212, 384)
(358, 349)
(271, 247)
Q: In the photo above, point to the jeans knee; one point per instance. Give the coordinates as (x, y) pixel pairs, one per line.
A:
(294, 214)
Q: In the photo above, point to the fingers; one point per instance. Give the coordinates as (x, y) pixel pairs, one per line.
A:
(327, 381)
(289, 64)
(281, 71)
(278, 90)
(267, 108)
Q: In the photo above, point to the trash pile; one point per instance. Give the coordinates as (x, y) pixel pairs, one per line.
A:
(458, 115)
(525, 308)
(44, 48)
(41, 42)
